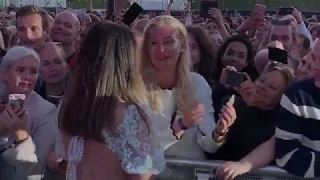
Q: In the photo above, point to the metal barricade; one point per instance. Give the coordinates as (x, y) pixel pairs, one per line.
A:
(181, 169)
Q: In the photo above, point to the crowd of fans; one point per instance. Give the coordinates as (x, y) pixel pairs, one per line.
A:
(108, 101)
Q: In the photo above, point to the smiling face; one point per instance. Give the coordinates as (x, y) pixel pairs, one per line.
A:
(164, 47)
(235, 55)
(65, 28)
(270, 87)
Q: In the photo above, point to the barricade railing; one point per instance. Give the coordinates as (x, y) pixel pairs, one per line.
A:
(182, 169)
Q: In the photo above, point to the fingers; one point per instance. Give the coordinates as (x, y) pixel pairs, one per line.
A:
(21, 112)
(247, 76)
(231, 68)
(228, 115)
(197, 112)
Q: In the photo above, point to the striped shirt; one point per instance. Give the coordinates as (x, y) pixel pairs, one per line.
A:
(298, 130)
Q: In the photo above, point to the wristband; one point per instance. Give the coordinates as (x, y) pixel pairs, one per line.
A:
(181, 125)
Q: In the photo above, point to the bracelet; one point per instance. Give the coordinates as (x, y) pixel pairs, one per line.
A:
(181, 125)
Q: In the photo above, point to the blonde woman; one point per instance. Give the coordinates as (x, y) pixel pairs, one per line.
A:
(181, 99)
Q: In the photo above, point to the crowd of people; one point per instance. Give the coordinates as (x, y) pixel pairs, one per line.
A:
(103, 100)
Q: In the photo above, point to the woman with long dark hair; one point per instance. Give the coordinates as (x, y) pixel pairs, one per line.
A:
(105, 111)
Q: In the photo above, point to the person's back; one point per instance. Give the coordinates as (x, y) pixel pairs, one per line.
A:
(104, 118)
(101, 162)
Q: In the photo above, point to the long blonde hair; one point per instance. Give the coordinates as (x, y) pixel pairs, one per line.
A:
(184, 95)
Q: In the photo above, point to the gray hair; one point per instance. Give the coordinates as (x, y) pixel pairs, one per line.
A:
(16, 53)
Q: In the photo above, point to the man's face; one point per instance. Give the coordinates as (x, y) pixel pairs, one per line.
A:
(282, 34)
(30, 31)
(65, 29)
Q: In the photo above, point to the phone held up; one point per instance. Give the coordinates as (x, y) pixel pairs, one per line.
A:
(205, 6)
(132, 13)
(283, 11)
(278, 55)
(17, 100)
(235, 79)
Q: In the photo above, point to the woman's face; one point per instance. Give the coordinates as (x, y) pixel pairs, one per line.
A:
(235, 55)
(304, 70)
(194, 50)
(164, 48)
(270, 88)
(22, 75)
(216, 39)
(315, 34)
(212, 27)
(53, 67)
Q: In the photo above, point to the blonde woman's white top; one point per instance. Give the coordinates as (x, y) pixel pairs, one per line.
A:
(196, 139)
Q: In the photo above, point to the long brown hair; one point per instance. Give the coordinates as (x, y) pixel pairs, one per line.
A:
(208, 62)
(107, 73)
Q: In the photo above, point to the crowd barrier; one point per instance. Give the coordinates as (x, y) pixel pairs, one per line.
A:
(182, 169)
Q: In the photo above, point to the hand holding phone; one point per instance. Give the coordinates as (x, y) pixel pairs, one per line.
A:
(235, 79)
(17, 100)
(132, 13)
(279, 55)
(283, 11)
(205, 6)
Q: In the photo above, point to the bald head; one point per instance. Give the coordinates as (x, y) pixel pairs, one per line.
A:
(69, 16)
(261, 60)
(65, 29)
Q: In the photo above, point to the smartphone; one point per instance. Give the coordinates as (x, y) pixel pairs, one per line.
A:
(16, 100)
(285, 11)
(132, 13)
(235, 79)
(205, 6)
(279, 55)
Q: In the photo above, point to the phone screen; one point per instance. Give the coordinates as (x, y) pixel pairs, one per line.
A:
(132, 13)
(205, 6)
(235, 79)
(279, 55)
(285, 11)
(16, 100)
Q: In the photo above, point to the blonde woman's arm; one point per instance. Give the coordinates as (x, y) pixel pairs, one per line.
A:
(203, 94)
